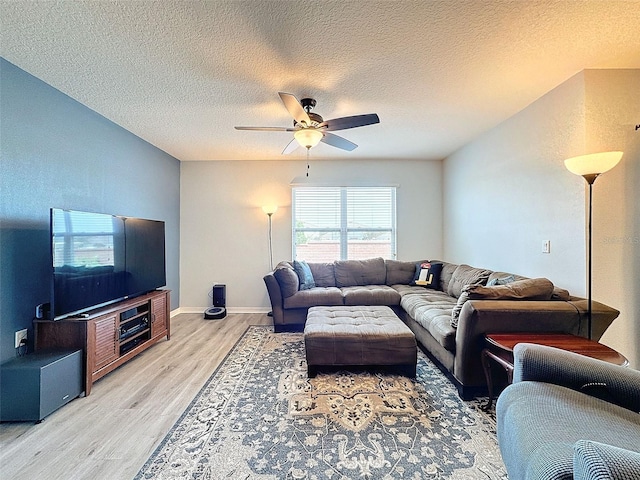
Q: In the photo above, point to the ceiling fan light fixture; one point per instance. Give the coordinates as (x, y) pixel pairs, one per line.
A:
(308, 137)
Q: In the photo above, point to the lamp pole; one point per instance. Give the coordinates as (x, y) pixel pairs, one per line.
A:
(590, 249)
(590, 178)
(270, 244)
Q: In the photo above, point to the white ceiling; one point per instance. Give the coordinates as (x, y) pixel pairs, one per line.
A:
(181, 74)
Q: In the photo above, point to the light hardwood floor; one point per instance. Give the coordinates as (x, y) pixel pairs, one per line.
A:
(111, 433)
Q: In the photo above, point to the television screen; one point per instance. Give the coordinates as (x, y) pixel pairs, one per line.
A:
(100, 258)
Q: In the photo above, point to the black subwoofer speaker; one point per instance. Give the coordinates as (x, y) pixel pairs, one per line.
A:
(219, 295)
(35, 385)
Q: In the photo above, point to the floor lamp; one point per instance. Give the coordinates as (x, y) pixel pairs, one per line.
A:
(591, 167)
(270, 210)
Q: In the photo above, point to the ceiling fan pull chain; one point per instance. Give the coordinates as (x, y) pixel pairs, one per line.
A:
(308, 148)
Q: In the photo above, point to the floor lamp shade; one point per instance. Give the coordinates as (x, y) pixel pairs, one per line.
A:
(590, 167)
(270, 209)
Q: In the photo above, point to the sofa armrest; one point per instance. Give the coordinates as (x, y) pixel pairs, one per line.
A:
(602, 316)
(539, 363)
(598, 461)
(275, 296)
(492, 316)
(479, 317)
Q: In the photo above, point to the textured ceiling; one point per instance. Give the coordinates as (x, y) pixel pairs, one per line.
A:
(182, 74)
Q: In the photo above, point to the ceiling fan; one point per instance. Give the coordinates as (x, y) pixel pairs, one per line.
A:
(310, 128)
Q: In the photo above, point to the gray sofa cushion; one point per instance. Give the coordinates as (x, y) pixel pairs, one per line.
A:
(437, 321)
(370, 295)
(598, 461)
(426, 298)
(323, 274)
(432, 310)
(287, 279)
(317, 296)
(446, 274)
(409, 290)
(466, 275)
(400, 273)
(350, 273)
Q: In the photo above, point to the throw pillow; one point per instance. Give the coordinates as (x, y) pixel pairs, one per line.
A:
(466, 275)
(304, 274)
(529, 289)
(427, 275)
(455, 314)
(287, 279)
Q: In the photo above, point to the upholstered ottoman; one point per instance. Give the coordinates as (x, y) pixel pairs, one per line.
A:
(358, 336)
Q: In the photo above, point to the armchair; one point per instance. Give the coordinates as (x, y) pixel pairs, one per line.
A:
(569, 416)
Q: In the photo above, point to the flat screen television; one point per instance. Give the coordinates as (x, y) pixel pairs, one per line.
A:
(98, 259)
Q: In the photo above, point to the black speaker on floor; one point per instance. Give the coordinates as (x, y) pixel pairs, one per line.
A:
(220, 295)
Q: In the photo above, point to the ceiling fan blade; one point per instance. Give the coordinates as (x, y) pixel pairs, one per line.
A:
(337, 141)
(291, 146)
(294, 107)
(267, 129)
(343, 123)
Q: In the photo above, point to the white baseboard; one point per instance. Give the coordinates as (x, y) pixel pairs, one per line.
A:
(201, 310)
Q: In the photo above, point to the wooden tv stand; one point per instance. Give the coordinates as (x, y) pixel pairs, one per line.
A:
(109, 336)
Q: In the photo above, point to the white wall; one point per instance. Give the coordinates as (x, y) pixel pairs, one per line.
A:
(508, 190)
(223, 231)
(613, 110)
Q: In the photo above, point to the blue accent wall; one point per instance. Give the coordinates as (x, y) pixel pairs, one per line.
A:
(55, 152)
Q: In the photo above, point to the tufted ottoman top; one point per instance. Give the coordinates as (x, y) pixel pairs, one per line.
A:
(354, 319)
(358, 335)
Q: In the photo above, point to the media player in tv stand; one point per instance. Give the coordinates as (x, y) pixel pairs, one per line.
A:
(109, 336)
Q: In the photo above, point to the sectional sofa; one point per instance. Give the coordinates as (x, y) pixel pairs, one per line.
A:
(449, 316)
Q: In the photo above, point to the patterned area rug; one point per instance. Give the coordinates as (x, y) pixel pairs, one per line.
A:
(260, 417)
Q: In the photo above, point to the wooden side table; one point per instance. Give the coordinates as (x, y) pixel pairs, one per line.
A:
(499, 349)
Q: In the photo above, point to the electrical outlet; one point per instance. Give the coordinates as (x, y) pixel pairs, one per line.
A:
(21, 335)
(546, 246)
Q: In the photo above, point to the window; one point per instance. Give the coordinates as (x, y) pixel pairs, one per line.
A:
(343, 223)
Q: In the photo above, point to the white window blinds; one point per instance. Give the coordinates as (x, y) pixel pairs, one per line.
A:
(339, 223)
